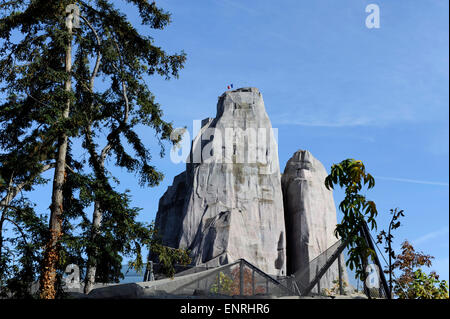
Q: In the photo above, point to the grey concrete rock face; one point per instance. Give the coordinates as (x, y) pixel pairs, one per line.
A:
(228, 204)
(168, 220)
(310, 214)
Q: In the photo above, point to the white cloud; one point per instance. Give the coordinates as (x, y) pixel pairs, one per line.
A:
(345, 117)
(432, 235)
(321, 123)
(415, 181)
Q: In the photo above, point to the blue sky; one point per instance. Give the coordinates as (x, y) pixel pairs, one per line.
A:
(331, 86)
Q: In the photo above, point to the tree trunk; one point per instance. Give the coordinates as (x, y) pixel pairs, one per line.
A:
(99, 167)
(4, 203)
(51, 256)
(2, 220)
(390, 260)
(92, 255)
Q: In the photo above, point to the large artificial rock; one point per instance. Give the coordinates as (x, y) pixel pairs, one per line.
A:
(310, 216)
(228, 204)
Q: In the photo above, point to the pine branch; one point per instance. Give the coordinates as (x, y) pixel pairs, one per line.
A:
(13, 191)
(24, 237)
(121, 126)
(97, 62)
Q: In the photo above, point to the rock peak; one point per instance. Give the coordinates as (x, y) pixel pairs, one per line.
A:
(223, 208)
(230, 209)
(244, 89)
(310, 214)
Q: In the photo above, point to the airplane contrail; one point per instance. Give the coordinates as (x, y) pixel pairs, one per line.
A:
(431, 235)
(405, 180)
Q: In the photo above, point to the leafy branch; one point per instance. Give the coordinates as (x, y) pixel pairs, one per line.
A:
(357, 210)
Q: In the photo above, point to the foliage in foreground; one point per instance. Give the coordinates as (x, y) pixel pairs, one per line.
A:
(357, 210)
(413, 282)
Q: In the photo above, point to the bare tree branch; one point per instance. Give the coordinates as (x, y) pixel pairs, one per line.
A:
(70, 169)
(18, 227)
(97, 63)
(13, 191)
(108, 146)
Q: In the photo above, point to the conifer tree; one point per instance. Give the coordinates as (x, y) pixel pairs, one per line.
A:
(49, 74)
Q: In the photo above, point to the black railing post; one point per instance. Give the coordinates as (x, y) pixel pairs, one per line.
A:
(377, 261)
(253, 282)
(241, 278)
(366, 289)
(341, 286)
(324, 268)
(218, 282)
